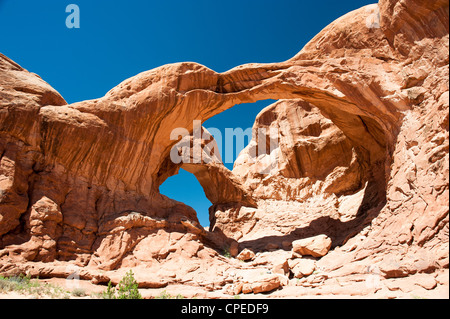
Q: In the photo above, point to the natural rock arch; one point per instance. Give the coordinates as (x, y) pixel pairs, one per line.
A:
(108, 156)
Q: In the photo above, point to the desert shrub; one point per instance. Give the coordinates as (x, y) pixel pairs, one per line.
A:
(110, 292)
(165, 295)
(226, 252)
(6, 285)
(78, 292)
(24, 285)
(15, 283)
(126, 289)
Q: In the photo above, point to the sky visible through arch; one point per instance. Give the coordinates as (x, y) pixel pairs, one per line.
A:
(119, 39)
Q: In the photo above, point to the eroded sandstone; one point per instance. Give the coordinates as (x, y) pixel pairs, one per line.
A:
(362, 157)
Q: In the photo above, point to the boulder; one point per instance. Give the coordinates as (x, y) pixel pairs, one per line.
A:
(246, 255)
(304, 267)
(280, 266)
(263, 284)
(317, 246)
(234, 249)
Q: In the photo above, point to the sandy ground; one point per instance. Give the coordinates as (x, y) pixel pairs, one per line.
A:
(92, 291)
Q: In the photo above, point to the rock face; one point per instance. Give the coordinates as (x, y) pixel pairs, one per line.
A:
(303, 267)
(246, 255)
(361, 156)
(317, 246)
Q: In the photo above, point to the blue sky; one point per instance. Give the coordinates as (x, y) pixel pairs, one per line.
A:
(118, 39)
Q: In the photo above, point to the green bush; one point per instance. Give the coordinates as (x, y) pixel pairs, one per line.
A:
(165, 295)
(226, 252)
(110, 292)
(126, 289)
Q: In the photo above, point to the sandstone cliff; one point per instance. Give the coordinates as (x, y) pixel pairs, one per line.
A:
(362, 157)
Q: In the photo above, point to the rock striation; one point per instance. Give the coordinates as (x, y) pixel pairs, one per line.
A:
(361, 157)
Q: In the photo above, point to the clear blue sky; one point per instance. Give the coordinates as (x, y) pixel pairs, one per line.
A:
(118, 39)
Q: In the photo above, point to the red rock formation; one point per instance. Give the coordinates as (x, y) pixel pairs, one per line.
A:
(363, 158)
(394, 113)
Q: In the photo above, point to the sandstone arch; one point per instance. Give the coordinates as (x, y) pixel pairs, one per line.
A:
(108, 156)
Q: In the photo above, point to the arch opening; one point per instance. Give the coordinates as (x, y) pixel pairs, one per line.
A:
(184, 187)
(235, 127)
